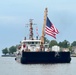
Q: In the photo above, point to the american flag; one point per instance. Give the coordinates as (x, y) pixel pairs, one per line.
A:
(50, 29)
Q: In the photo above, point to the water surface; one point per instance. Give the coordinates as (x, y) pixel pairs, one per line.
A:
(8, 66)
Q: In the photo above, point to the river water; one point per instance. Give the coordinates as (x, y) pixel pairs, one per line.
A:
(8, 66)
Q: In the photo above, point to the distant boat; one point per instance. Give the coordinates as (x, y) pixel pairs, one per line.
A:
(36, 51)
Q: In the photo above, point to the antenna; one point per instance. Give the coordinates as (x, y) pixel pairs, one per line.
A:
(31, 28)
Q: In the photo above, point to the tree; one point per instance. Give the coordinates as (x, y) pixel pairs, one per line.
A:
(52, 43)
(65, 44)
(60, 44)
(5, 51)
(12, 49)
(74, 43)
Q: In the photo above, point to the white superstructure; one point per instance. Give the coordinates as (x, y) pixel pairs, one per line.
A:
(32, 45)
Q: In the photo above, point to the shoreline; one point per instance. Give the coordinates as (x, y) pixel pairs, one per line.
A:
(7, 55)
(73, 55)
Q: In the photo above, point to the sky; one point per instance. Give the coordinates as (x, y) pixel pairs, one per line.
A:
(15, 15)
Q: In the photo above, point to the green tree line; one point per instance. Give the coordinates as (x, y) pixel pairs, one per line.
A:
(10, 50)
(63, 44)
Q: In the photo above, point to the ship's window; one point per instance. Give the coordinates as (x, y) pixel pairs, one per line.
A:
(32, 42)
(29, 42)
(36, 42)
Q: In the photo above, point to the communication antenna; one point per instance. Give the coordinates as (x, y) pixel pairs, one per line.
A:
(30, 29)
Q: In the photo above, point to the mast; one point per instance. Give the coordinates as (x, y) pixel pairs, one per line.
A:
(31, 30)
(44, 24)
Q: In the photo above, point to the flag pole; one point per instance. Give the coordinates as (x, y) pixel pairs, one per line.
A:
(44, 24)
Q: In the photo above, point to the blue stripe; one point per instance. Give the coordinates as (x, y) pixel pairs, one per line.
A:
(48, 23)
